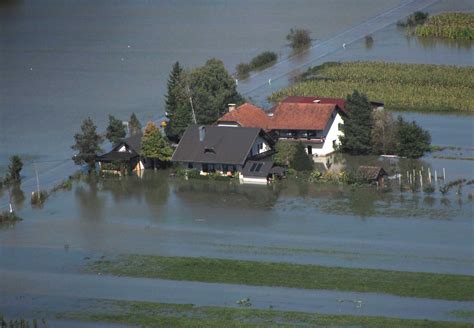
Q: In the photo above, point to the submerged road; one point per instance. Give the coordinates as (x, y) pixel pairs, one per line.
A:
(260, 85)
(30, 287)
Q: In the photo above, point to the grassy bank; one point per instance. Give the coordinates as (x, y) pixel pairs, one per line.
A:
(427, 285)
(147, 314)
(448, 25)
(402, 87)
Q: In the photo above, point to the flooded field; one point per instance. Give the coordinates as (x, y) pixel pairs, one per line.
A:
(115, 59)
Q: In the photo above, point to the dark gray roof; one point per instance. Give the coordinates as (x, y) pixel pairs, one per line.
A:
(257, 168)
(223, 145)
(133, 142)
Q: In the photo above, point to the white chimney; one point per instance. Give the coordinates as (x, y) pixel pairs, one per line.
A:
(231, 107)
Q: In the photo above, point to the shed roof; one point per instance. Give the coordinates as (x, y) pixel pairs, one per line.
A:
(371, 172)
(224, 145)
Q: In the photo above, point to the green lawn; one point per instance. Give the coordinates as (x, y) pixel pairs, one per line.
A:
(146, 314)
(402, 87)
(416, 284)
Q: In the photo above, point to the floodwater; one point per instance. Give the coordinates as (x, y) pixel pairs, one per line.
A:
(61, 61)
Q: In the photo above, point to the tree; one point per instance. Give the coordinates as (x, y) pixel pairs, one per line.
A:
(134, 125)
(384, 133)
(299, 38)
(285, 152)
(14, 170)
(212, 90)
(115, 130)
(87, 144)
(413, 141)
(177, 105)
(154, 145)
(357, 127)
(301, 160)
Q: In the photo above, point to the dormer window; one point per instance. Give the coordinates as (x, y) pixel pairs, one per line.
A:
(209, 150)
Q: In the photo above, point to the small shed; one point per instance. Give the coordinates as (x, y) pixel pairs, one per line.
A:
(373, 174)
(261, 171)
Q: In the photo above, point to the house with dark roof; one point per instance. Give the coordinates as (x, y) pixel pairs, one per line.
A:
(314, 124)
(373, 174)
(125, 155)
(226, 150)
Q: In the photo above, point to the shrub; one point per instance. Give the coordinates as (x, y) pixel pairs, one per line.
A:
(417, 18)
(301, 160)
(263, 60)
(369, 41)
(412, 140)
(243, 70)
(38, 198)
(299, 38)
(7, 217)
(429, 189)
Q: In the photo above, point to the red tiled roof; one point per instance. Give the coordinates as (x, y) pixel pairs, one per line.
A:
(301, 116)
(247, 115)
(285, 116)
(317, 100)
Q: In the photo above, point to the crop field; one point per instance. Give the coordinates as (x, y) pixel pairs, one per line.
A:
(402, 87)
(448, 25)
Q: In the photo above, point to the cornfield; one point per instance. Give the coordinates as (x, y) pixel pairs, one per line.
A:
(448, 25)
(402, 87)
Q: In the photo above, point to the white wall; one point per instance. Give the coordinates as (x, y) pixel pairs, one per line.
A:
(332, 135)
(263, 142)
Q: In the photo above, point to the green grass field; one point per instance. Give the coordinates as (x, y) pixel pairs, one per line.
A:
(416, 284)
(402, 87)
(147, 314)
(448, 25)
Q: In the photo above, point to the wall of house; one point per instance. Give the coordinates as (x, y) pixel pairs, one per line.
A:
(259, 146)
(332, 134)
(217, 167)
(252, 180)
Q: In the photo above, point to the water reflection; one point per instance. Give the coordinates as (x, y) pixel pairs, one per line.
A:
(91, 203)
(432, 43)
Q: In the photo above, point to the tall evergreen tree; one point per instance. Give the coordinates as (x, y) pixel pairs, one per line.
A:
(301, 160)
(154, 145)
(212, 89)
(14, 170)
(413, 141)
(87, 145)
(357, 127)
(115, 130)
(177, 104)
(134, 125)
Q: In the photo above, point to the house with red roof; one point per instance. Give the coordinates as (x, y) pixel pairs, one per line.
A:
(315, 124)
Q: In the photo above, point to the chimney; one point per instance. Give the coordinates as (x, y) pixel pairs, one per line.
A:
(231, 107)
(202, 133)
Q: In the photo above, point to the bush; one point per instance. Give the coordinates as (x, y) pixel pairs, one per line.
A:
(243, 70)
(417, 18)
(369, 41)
(7, 217)
(412, 140)
(301, 160)
(38, 199)
(299, 38)
(263, 60)
(429, 189)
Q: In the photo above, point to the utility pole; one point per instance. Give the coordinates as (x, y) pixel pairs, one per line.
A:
(37, 181)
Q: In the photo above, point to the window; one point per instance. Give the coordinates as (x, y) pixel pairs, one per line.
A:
(190, 165)
(259, 166)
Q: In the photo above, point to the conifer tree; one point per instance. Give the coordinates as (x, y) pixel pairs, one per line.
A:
(357, 127)
(412, 141)
(87, 144)
(14, 170)
(115, 130)
(301, 160)
(177, 104)
(134, 125)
